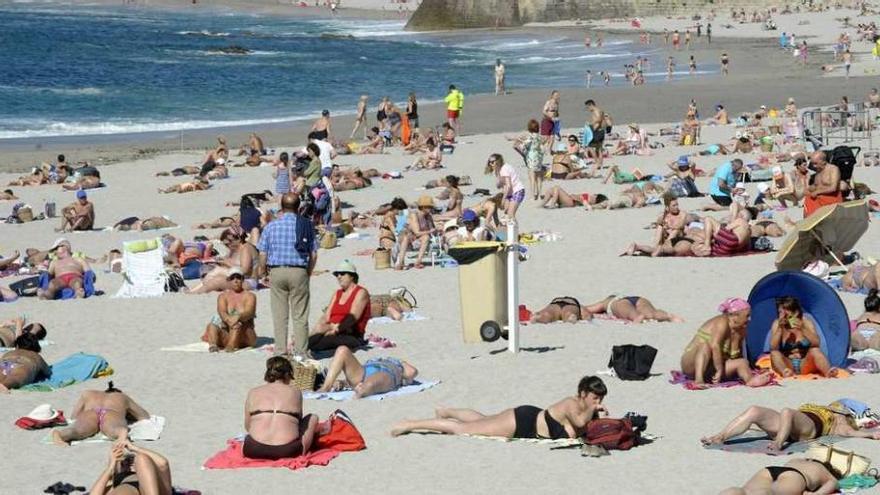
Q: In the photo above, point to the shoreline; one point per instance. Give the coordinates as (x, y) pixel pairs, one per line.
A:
(756, 69)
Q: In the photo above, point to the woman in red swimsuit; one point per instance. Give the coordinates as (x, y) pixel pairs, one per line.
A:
(345, 320)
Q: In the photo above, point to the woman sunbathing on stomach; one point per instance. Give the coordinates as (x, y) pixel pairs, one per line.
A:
(567, 418)
(797, 477)
(106, 412)
(22, 365)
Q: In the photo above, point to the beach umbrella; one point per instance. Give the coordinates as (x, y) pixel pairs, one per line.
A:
(830, 229)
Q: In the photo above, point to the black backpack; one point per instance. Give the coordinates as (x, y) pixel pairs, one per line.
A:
(844, 158)
(305, 236)
(632, 362)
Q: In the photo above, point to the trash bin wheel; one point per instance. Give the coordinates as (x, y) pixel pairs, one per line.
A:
(490, 331)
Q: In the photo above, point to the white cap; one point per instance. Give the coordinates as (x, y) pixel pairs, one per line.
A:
(58, 242)
(43, 412)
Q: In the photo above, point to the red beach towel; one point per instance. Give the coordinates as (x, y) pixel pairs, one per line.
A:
(233, 458)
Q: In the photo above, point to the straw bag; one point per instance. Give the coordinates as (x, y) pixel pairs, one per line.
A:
(328, 240)
(845, 462)
(382, 259)
(304, 374)
(25, 214)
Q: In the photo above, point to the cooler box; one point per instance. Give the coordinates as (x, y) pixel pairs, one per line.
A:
(482, 285)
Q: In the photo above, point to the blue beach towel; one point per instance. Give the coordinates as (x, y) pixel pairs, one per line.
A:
(75, 368)
(349, 394)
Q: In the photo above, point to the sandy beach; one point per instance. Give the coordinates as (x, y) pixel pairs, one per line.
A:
(202, 395)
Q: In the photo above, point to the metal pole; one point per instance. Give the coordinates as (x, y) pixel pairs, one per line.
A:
(512, 287)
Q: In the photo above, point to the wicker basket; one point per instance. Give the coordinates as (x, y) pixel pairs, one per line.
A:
(382, 259)
(328, 240)
(304, 375)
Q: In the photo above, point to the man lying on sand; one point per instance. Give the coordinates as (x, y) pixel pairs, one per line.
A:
(567, 418)
(184, 170)
(556, 197)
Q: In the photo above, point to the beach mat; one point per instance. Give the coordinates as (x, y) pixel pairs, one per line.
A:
(75, 368)
(679, 378)
(233, 458)
(264, 345)
(148, 430)
(407, 316)
(837, 284)
(759, 443)
(343, 395)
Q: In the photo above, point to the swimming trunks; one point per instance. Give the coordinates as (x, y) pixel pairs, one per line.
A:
(722, 200)
(558, 175)
(452, 114)
(318, 135)
(68, 278)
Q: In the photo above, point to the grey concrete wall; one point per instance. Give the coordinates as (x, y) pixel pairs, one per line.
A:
(446, 14)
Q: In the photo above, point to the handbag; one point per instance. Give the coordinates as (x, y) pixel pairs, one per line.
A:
(632, 362)
(845, 462)
(382, 259)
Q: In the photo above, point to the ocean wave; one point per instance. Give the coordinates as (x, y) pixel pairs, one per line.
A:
(86, 91)
(204, 32)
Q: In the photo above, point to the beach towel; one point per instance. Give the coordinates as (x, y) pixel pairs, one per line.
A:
(145, 430)
(838, 286)
(343, 436)
(759, 443)
(67, 292)
(407, 316)
(557, 443)
(203, 347)
(763, 363)
(75, 368)
(343, 395)
(679, 378)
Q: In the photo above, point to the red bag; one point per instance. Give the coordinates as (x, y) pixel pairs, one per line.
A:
(343, 435)
(613, 434)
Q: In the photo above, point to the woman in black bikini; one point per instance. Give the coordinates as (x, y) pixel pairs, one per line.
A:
(273, 416)
(567, 418)
(567, 309)
(631, 308)
(797, 477)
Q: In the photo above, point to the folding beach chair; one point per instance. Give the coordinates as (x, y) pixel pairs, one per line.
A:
(143, 269)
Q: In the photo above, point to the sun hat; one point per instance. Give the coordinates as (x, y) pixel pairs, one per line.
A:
(58, 242)
(426, 201)
(43, 412)
(235, 272)
(450, 224)
(80, 194)
(683, 160)
(733, 304)
(469, 215)
(345, 266)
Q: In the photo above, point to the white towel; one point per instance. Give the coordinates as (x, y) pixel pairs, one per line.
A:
(144, 430)
(349, 394)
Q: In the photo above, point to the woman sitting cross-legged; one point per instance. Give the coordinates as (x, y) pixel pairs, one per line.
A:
(376, 376)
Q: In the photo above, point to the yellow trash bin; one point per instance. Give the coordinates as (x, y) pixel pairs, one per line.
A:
(482, 285)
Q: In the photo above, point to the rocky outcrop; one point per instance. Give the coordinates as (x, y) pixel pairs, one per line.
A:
(454, 14)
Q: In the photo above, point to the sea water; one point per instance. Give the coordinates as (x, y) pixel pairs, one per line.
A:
(78, 70)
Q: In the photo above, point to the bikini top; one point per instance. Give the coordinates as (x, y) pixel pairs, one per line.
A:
(803, 344)
(554, 428)
(296, 415)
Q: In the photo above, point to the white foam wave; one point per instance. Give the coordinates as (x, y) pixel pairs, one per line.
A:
(86, 91)
(205, 32)
(543, 60)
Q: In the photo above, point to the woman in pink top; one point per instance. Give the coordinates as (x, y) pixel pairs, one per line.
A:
(508, 182)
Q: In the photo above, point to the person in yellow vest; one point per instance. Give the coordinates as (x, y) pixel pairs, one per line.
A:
(454, 106)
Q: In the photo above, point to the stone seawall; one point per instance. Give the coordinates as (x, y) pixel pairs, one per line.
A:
(451, 14)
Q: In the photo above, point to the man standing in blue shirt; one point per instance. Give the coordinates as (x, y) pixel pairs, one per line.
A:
(290, 259)
(724, 180)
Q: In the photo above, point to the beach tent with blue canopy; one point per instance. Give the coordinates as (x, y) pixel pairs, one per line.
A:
(820, 303)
